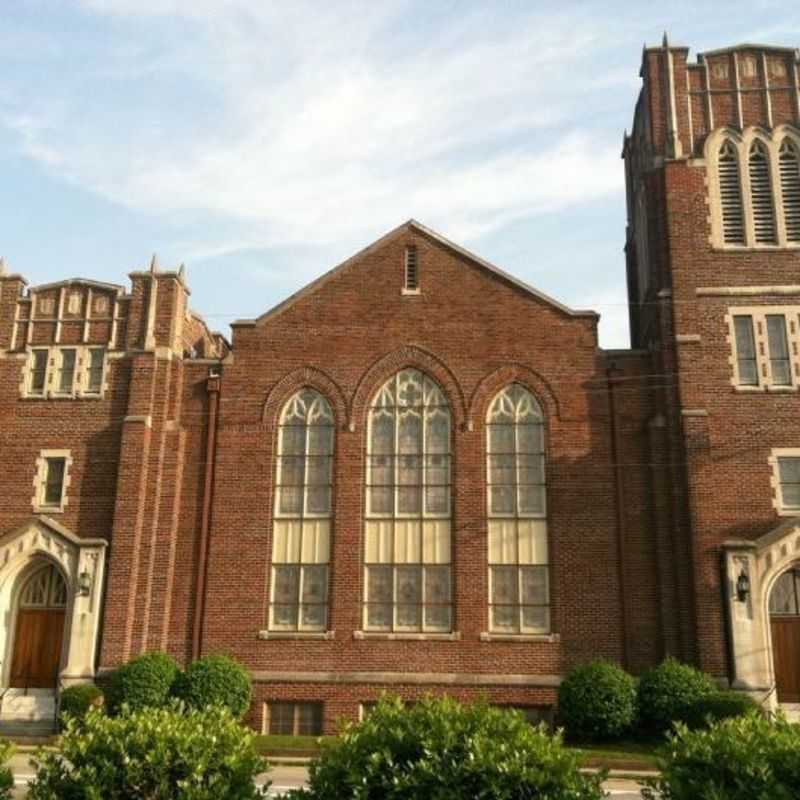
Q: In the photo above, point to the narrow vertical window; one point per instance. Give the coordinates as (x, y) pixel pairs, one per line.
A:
(761, 194)
(730, 195)
(746, 351)
(53, 490)
(94, 384)
(779, 361)
(407, 541)
(301, 533)
(412, 270)
(789, 477)
(38, 372)
(789, 164)
(519, 592)
(66, 371)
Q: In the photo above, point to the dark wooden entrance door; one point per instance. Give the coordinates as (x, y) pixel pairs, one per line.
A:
(786, 654)
(37, 648)
(39, 635)
(784, 608)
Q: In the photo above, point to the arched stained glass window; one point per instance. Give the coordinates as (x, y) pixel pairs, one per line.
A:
(301, 531)
(519, 591)
(407, 538)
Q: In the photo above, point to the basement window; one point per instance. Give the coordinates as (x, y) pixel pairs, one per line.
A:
(293, 719)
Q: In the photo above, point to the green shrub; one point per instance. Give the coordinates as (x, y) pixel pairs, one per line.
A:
(718, 706)
(145, 682)
(597, 701)
(6, 776)
(216, 680)
(76, 700)
(157, 753)
(668, 692)
(440, 749)
(746, 758)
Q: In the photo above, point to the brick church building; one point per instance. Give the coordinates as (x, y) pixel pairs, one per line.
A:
(420, 474)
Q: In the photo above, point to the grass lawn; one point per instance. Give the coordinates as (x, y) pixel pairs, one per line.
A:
(633, 755)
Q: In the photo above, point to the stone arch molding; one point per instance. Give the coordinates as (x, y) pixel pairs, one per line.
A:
(298, 379)
(496, 381)
(763, 561)
(39, 540)
(409, 357)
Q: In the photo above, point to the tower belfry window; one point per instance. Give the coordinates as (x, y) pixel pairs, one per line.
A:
(730, 195)
(412, 270)
(761, 194)
(789, 167)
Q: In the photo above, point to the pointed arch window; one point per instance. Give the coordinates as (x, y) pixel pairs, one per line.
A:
(519, 582)
(730, 195)
(761, 194)
(407, 581)
(302, 523)
(789, 166)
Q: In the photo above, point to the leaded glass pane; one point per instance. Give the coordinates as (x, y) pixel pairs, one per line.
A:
(778, 350)
(291, 500)
(535, 619)
(281, 719)
(501, 438)
(438, 432)
(287, 584)
(381, 500)
(437, 585)
(504, 585)
(436, 500)
(531, 499)
(382, 433)
(54, 481)
(746, 350)
(379, 617)
(39, 371)
(501, 499)
(505, 618)
(437, 618)
(529, 438)
(409, 500)
(789, 469)
(534, 585)
(790, 495)
(379, 584)
(313, 616)
(783, 598)
(315, 584)
(67, 376)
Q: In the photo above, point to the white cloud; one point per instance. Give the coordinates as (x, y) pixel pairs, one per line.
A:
(326, 123)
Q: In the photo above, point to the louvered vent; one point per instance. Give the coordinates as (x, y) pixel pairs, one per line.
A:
(789, 162)
(730, 195)
(761, 194)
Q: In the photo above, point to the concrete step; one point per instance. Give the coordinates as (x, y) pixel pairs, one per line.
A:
(29, 705)
(38, 732)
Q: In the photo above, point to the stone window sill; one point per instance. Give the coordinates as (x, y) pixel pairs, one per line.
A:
(520, 637)
(408, 637)
(320, 636)
(766, 389)
(37, 509)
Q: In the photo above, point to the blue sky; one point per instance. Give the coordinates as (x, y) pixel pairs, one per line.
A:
(262, 143)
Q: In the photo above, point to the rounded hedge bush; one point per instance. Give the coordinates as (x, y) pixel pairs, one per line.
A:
(597, 701)
(718, 706)
(669, 692)
(439, 748)
(216, 680)
(76, 700)
(745, 758)
(160, 753)
(145, 682)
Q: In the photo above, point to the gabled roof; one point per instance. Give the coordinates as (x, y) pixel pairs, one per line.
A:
(412, 224)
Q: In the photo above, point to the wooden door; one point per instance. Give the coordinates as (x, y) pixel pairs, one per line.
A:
(40, 629)
(786, 655)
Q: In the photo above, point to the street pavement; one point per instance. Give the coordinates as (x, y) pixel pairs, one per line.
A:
(285, 778)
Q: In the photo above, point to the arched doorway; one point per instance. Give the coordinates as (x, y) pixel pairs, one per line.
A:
(39, 634)
(784, 618)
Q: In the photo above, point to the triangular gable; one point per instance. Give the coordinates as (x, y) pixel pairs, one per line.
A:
(431, 234)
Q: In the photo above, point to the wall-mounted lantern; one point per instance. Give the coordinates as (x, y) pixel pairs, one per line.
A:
(742, 586)
(84, 584)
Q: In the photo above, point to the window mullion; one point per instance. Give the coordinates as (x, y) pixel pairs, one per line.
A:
(300, 580)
